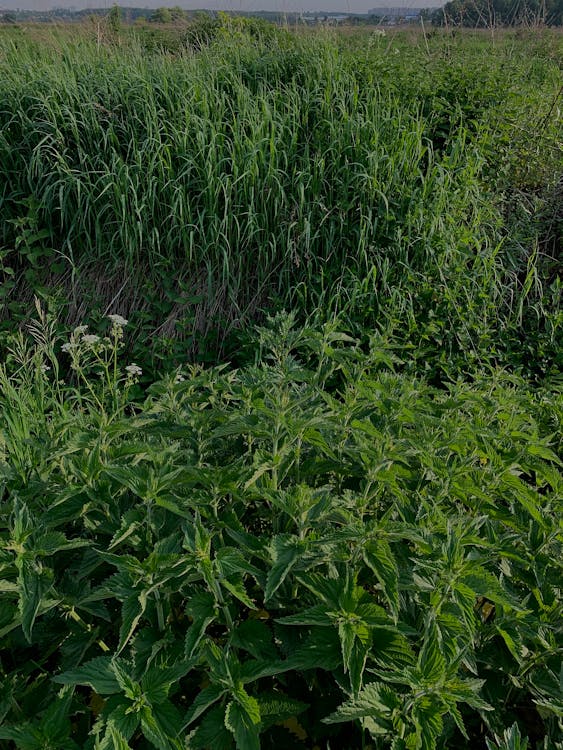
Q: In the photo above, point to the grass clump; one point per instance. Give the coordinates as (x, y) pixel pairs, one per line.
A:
(197, 189)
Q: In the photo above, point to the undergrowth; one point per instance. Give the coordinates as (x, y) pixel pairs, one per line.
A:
(311, 551)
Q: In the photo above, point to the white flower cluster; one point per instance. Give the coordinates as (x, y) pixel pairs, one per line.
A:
(134, 370)
(118, 323)
(80, 337)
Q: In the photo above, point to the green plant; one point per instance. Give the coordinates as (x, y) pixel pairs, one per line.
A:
(305, 171)
(312, 544)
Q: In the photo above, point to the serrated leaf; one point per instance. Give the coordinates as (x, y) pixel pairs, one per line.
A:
(96, 673)
(431, 661)
(285, 551)
(376, 700)
(34, 580)
(428, 722)
(244, 723)
(312, 616)
(379, 558)
(275, 707)
(237, 589)
(204, 699)
(123, 671)
(255, 637)
(255, 669)
(153, 729)
(118, 741)
(231, 561)
(157, 681)
(131, 612)
(25, 736)
(321, 650)
(55, 722)
(123, 720)
(212, 732)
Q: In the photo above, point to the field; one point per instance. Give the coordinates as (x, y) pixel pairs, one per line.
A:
(280, 389)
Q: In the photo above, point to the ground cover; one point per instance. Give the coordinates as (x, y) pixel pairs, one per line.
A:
(333, 528)
(277, 556)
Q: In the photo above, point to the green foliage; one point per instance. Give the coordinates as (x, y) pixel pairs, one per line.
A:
(312, 549)
(196, 177)
(351, 538)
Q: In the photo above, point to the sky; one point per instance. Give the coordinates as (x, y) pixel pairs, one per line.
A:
(288, 6)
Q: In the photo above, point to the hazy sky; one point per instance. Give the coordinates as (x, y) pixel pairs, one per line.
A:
(289, 6)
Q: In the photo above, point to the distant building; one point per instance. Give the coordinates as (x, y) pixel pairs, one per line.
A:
(395, 12)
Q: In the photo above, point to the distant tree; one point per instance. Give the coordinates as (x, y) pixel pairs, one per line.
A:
(177, 13)
(161, 15)
(114, 21)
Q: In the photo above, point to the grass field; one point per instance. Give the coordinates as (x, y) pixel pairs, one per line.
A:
(280, 389)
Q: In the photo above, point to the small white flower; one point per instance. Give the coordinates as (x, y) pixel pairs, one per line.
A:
(118, 320)
(44, 368)
(68, 347)
(90, 339)
(79, 330)
(134, 370)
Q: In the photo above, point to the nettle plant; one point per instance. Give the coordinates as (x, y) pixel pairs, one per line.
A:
(312, 552)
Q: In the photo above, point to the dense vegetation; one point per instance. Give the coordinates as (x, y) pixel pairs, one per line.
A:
(494, 13)
(223, 525)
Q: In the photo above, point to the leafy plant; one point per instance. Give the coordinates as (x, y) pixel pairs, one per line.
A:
(312, 549)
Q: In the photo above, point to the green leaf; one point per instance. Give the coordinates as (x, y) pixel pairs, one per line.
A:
(255, 637)
(157, 681)
(155, 732)
(312, 616)
(243, 720)
(212, 732)
(96, 673)
(121, 718)
(117, 739)
(123, 671)
(131, 612)
(255, 669)
(203, 609)
(376, 700)
(379, 558)
(34, 580)
(321, 650)
(285, 551)
(427, 716)
(204, 699)
(231, 561)
(55, 722)
(511, 740)
(431, 662)
(276, 707)
(236, 588)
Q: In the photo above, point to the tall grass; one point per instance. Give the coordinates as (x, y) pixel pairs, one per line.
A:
(298, 170)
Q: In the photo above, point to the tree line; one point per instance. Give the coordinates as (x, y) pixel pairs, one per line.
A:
(489, 13)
